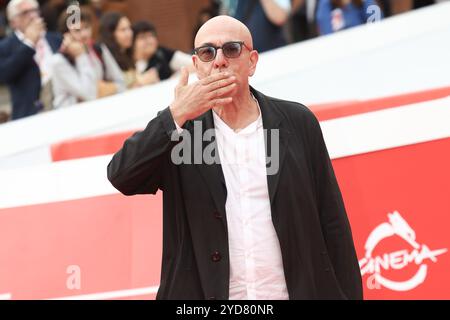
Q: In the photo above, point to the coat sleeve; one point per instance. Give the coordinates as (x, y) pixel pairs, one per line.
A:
(139, 167)
(333, 218)
(14, 62)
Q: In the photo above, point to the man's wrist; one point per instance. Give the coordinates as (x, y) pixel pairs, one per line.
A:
(177, 116)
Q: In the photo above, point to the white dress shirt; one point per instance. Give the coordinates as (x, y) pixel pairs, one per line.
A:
(256, 266)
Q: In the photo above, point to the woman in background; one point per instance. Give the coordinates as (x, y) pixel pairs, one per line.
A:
(152, 60)
(336, 15)
(81, 72)
(116, 38)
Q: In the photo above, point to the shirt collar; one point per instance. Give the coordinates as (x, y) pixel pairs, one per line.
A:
(252, 127)
(19, 34)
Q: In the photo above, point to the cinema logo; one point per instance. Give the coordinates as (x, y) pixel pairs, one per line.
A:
(374, 266)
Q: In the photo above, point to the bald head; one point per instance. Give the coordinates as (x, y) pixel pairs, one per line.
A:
(223, 28)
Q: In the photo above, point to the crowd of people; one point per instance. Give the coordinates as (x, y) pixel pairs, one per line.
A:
(47, 63)
(50, 66)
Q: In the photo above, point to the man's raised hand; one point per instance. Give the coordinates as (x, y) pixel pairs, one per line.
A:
(192, 100)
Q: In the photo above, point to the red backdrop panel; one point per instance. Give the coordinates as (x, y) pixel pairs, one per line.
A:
(116, 240)
(415, 182)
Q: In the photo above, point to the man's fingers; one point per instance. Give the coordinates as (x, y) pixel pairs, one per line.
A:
(184, 77)
(223, 91)
(37, 22)
(215, 77)
(221, 83)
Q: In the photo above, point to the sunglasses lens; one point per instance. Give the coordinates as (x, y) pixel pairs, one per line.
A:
(232, 49)
(206, 53)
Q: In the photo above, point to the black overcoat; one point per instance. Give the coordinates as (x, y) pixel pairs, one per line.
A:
(308, 212)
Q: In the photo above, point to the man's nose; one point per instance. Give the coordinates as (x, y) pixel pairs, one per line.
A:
(220, 61)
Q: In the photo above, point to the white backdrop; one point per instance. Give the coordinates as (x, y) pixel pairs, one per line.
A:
(406, 53)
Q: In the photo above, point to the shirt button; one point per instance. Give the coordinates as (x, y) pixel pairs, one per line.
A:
(217, 215)
(216, 257)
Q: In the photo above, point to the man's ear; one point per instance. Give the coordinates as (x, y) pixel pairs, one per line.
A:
(195, 63)
(253, 61)
(13, 23)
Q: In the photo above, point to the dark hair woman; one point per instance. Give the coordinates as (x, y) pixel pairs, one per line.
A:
(154, 62)
(75, 79)
(116, 34)
(81, 71)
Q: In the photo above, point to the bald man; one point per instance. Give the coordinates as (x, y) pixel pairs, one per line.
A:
(251, 206)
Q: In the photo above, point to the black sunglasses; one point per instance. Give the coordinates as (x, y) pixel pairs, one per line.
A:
(231, 49)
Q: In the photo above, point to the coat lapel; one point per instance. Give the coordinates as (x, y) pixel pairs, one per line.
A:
(276, 139)
(212, 173)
